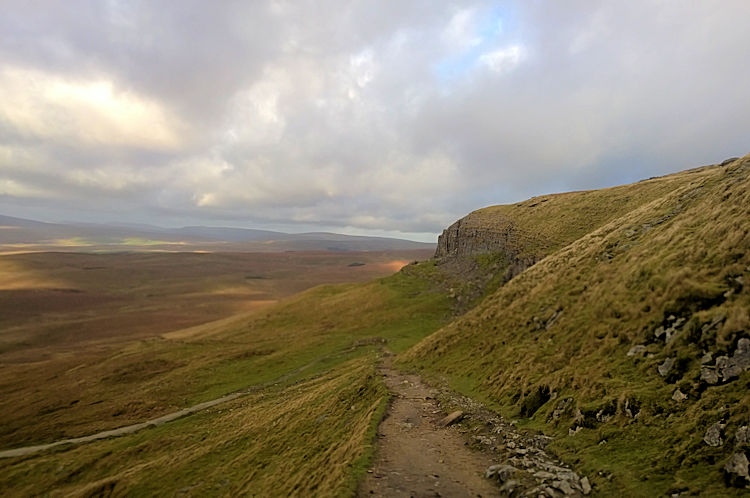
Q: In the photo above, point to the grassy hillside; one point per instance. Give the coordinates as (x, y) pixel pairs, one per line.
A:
(665, 281)
(145, 379)
(490, 246)
(603, 344)
(305, 427)
(309, 438)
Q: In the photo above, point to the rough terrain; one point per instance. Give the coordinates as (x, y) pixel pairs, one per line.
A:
(422, 452)
(417, 457)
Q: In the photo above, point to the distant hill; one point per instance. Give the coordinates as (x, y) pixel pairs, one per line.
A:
(17, 234)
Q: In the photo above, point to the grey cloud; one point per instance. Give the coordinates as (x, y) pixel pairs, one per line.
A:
(361, 115)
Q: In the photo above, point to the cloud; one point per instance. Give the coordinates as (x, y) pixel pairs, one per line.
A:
(47, 107)
(355, 116)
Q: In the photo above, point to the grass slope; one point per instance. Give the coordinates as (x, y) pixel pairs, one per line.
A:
(546, 223)
(308, 439)
(307, 433)
(551, 346)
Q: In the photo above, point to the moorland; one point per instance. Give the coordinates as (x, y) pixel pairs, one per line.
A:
(605, 331)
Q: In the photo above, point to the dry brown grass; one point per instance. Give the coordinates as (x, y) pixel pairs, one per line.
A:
(309, 439)
(134, 336)
(676, 255)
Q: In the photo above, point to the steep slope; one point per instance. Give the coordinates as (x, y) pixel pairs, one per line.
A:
(633, 339)
(490, 246)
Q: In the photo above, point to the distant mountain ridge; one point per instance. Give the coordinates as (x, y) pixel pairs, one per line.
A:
(25, 234)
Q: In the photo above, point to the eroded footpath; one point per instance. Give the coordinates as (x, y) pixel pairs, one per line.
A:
(420, 452)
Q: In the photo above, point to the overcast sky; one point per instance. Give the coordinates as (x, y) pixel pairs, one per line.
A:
(376, 117)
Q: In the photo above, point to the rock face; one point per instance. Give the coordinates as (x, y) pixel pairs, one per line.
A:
(464, 239)
(469, 236)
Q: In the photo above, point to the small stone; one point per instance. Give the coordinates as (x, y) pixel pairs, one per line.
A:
(509, 488)
(743, 435)
(659, 332)
(707, 358)
(452, 418)
(665, 367)
(573, 432)
(709, 375)
(727, 368)
(713, 435)
(502, 472)
(563, 486)
(551, 492)
(737, 469)
(637, 350)
(679, 396)
(585, 486)
(544, 475)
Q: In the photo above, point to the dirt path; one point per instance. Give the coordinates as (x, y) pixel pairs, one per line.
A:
(130, 429)
(120, 431)
(415, 455)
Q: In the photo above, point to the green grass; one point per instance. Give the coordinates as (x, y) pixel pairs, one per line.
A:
(309, 438)
(607, 291)
(310, 433)
(618, 263)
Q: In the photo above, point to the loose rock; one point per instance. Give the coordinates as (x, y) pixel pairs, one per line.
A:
(452, 418)
(679, 395)
(737, 470)
(665, 367)
(637, 350)
(563, 486)
(509, 487)
(585, 485)
(709, 375)
(713, 435)
(743, 435)
(501, 472)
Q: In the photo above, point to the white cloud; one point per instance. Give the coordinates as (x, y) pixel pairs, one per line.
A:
(503, 59)
(359, 116)
(460, 33)
(47, 106)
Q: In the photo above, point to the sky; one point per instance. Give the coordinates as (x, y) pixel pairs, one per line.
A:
(361, 117)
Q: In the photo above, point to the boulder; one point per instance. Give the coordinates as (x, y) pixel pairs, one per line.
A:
(709, 375)
(678, 395)
(585, 486)
(742, 436)
(713, 435)
(736, 470)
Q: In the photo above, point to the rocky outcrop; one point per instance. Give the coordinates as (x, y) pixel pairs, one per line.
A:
(467, 238)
